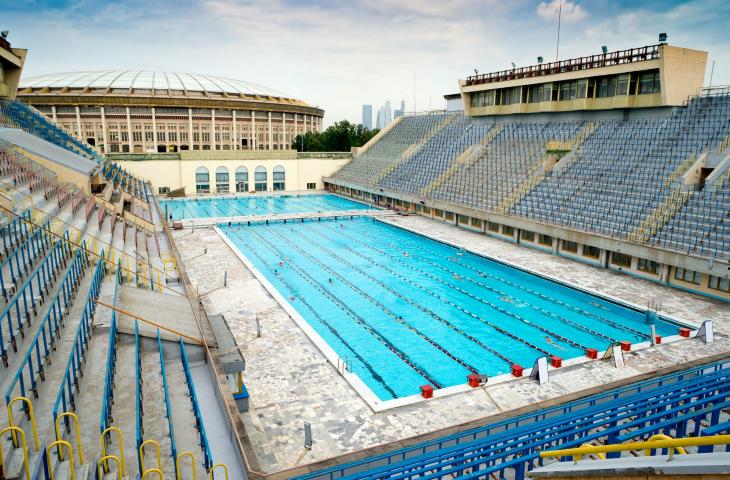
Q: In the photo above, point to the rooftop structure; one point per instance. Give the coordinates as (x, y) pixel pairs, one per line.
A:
(653, 76)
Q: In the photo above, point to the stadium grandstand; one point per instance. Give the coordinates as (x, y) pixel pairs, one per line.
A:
(390, 324)
(110, 369)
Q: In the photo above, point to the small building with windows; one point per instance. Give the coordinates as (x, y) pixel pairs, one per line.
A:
(234, 172)
(653, 76)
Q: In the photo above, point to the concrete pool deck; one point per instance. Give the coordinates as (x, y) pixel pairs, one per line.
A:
(291, 381)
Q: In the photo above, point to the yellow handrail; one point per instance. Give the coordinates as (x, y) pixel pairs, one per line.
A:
(660, 436)
(218, 465)
(105, 459)
(153, 470)
(671, 443)
(27, 401)
(141, 455)
(192, 464)
(79, 446)
(58, 444)
(23, 444)
(102, 439)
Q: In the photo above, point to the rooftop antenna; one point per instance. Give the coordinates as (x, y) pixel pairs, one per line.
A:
(557, 43)
(414, 92)
(712, 72)
(513, 65)
(5, 33)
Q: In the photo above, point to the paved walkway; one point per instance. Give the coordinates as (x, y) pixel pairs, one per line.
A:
(291, 382)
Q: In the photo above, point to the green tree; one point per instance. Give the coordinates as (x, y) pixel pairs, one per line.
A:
(340, 137)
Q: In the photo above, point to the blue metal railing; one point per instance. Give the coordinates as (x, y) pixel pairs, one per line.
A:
(23, 304)
(204, 445)
(139, 412)
(660, 404)
(21, 259)
(15, 231)
(43, 343)
(111, 359)
(65, 397)
(168, 406)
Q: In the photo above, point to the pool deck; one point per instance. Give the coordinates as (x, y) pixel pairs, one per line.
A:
(292, 382)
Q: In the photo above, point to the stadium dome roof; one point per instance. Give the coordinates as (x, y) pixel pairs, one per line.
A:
(148, 82)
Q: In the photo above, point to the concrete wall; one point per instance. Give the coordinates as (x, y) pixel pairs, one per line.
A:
(682, 73)
(180, 172)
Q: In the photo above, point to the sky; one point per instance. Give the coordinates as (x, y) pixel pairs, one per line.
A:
(340, 54)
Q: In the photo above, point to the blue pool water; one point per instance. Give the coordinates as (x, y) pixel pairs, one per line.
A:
(406, 310)
(256, 205)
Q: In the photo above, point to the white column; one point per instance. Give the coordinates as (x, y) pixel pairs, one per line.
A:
(129, 131)
(53, 113)
(270, 146)
(235, 136)
(254, 138)
(212, 129)
(78, 123)
(296, 125)
(104, 131)
(154, 129)
(190, 128)
(311, 123)
(282, 140)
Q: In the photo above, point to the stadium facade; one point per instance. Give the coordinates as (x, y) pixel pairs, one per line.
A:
(134, 111)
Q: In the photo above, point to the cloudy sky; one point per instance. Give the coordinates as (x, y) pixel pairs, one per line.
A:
(339, 54)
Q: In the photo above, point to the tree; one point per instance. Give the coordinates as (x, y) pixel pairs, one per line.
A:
(340, 137)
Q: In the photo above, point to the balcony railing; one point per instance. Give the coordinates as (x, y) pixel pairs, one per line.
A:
(574, 64)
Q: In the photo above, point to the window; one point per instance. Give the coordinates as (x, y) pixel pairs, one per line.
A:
(527, 235)
(202, 180)
(163, 190)
(545, 240)
(449, 216)
(221, 180)
(540, 93)
(689, 276)
(648, 266)
(507, 230)
(649, 82)
(620, 259)
(260, 179)
(463, 219)
(720, 284)
(482, 99)
(311, 186)
(493, 227)
(279, 183)
(475, 222)
(137, 136)
(622, 87)
(591, 252)
(241, 179)
(438, 213)
(571, 247)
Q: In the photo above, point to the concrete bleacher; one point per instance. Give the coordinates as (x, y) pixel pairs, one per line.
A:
(622, 178)
(66, 253)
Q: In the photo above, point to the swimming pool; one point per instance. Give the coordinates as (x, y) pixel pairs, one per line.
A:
(406, 311)
(256, 205)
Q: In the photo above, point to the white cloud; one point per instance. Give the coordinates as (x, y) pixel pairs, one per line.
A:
(570, 12)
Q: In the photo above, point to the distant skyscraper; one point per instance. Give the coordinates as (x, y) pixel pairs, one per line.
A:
(380, 120)
(387, 114)
(367, 116)
(401, 112)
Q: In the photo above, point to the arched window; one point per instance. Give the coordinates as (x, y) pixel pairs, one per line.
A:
(202, 180)
(279, 178)
(221, 180)
(241, 179)
(260, 179)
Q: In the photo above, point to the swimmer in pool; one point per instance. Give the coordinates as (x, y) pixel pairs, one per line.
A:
(457, 277)
(506, 299)
(550, 341)
(405, 254)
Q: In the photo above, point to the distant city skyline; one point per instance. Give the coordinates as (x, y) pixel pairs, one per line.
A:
(367, 116)
(338, 55)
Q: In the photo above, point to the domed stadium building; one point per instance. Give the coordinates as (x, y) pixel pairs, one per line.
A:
(133, 111)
